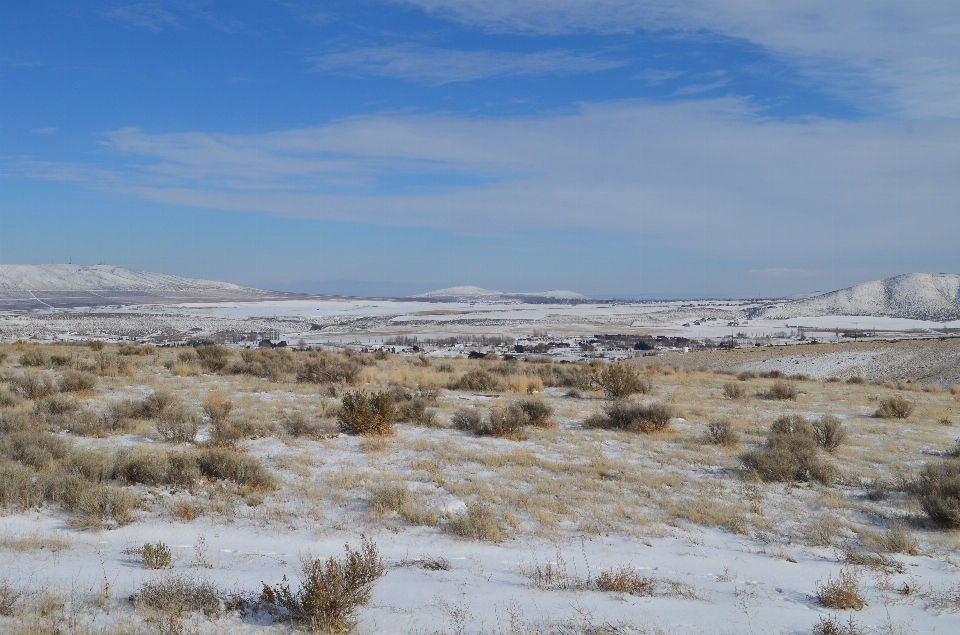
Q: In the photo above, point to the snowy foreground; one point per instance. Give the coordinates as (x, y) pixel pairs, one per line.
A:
(481, 532)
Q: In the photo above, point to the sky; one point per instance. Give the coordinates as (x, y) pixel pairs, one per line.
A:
(706, 148)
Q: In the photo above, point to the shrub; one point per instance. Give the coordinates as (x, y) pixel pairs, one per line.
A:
(537, 413)
(477, 380)
(468, 419)
(844, 593)
(782, 390)
(856, 379)
(10, 597)
(633, 418)
(478, 522)
(134, 349)
(331, 591)
(415, 411)
(744, 375)
(733, 391)
(264, 362)
(326, 368)
(217, 406)
(105, 506)
(504, 422)
(833, 626)
(790, 453)
(829, 432)
(153, 405)
(176, 424)
(33, 448)
(367, 414)
(296, 424)
(955, 390)
(177, 594)
(8, 399)
(213, 358)
(721, 432)
(76, 381)
(894, 408)
(33, 357)
(621, 380)
(626, 580)
(96, 466)
(176, 469)
(33, 385)
(242, 469)
(156, 556)
(938, 490)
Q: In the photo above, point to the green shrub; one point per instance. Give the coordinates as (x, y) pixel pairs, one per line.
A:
(367, 414)
(331, 591)
(894, 408)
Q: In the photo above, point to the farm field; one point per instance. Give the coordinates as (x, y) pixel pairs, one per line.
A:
(181, 490)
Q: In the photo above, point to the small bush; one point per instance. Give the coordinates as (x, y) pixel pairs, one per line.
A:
(76, 381)
(894, 408)
(856, 380)
(177, 424)
(938, 490)
(326, 368)
(297, 424)
(721, 432)
(467, 419)
(504, 422)
(955, 390)
(367, 414)
(633, 418)
(415, 411)
(105, 506)
(265, 363)
(844, 593)
(134, 349)
(156, 555)
(33, 385)
(790, 453)
(477, 523)
(829, 432)
(177, 594)
(477, 380)
(733, 391)
(217, 406)
(33, 357)
(782, 390)
(10, 597)
(619, 380)
(242, 469)
(833, 626)
(8, 399)
(626, 580)
(331, 591)
(213, 358)
(538, 414)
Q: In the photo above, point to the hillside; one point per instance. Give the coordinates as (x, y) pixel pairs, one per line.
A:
(99, 278)
(916, 296)
(479, 294)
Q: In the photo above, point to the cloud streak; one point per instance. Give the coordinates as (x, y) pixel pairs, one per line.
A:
(712, 174)
(442, 66)
(886, 56)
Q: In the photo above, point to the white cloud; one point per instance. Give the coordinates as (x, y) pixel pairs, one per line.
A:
(708, 175)
(884, 55)
(147, 15)
(441, 66)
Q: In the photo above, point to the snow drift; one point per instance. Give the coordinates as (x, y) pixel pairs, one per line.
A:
(916, 296)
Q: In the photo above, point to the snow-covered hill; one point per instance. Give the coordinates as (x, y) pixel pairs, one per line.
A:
(99, 278)
(916, 296)
(479, 294)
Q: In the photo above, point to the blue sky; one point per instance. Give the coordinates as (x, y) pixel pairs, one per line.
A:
(612, 147)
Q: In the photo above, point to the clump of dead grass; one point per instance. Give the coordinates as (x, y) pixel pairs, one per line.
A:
(844, 593)
(478, 522)
(364, 413)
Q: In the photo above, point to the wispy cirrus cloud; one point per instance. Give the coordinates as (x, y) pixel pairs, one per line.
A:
(884, 56)
(706, 174)
(147, 15)
(442, 66)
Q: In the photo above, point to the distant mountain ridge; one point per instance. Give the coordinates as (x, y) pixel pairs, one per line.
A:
(916, 296)
(100, 278)
(479, 294)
